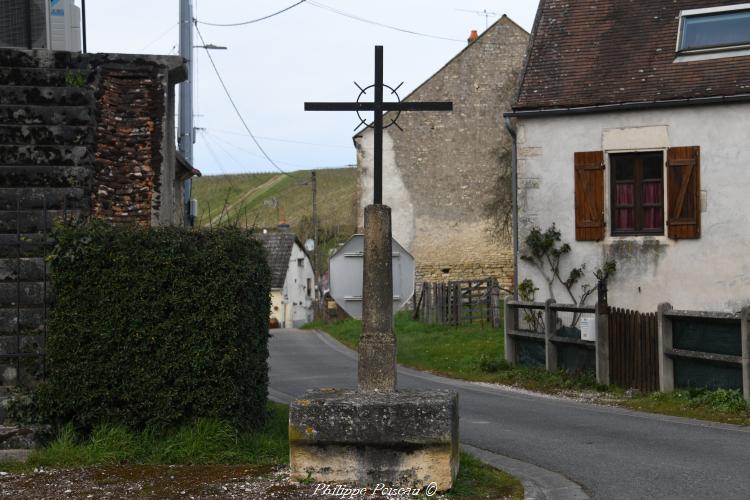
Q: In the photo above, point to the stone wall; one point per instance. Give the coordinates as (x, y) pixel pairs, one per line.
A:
(101, 119)
(440, 173)
(79, 134)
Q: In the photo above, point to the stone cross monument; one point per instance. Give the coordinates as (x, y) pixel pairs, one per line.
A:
(377, 346)
(376, 434)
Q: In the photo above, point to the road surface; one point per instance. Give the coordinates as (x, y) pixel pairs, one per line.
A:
(612, 453)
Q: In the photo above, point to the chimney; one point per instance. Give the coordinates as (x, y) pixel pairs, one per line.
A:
(473, 36)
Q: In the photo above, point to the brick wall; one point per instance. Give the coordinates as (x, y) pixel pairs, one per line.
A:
(441, 171)
(129, 108)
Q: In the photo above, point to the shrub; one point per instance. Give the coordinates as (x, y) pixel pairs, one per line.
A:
(156, 327)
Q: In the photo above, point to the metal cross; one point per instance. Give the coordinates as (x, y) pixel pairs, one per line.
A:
(378, 107)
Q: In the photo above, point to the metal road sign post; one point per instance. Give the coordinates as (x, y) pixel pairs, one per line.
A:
(346, 267)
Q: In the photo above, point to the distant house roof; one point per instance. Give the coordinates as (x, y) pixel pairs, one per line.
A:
(278, 247)
(605, 52)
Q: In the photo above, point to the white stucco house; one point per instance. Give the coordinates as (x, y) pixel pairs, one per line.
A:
(292, 279)
(631, 134)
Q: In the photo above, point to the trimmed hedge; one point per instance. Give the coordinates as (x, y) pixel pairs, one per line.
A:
(155, 327)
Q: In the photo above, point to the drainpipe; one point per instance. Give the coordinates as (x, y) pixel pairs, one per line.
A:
(514, 196)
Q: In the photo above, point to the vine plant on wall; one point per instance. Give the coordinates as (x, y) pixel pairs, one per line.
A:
(546, 251)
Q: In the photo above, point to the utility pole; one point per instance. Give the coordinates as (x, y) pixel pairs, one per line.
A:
(186, 132)
(83, 24)
(314, 182)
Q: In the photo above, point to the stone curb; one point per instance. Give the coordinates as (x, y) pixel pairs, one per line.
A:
(538, 483)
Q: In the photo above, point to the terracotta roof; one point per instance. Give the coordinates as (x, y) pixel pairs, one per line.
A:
(602, 52)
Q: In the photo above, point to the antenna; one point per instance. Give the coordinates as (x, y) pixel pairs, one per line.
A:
(487, 15)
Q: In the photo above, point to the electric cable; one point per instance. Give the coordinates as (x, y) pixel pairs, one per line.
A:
(236, 109)
(376, 23)
(279, 139)
(244, 23)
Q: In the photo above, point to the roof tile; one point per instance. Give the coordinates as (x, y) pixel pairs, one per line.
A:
(597, 52)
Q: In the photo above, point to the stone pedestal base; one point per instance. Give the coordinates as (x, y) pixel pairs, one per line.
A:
(406, 438)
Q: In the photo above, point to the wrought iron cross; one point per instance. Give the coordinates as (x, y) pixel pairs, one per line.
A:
(378, 107)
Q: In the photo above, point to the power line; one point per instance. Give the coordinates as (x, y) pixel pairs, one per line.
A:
(279, 139)
(149, 44)
(236, 109)
(376, 23)
(292, 165)
(244, 23)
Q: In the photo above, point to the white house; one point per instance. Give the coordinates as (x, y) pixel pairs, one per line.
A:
(631, 125)
(292, 279)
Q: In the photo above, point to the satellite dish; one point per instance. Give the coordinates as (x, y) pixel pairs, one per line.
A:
(310, 245)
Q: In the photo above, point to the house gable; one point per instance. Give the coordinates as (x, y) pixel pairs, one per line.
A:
(442, 170)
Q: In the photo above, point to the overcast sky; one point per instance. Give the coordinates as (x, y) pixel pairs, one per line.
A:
(306, 54)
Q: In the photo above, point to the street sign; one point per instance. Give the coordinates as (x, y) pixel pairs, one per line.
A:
(346, 268)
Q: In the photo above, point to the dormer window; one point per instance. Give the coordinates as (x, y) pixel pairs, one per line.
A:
(714, 29)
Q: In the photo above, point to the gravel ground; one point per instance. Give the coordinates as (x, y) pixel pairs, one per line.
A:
(166, 482)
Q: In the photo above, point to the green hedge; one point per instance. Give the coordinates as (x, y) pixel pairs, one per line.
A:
(156, 327)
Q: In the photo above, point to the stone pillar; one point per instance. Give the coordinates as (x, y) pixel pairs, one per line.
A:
(666, 365)
(601, 318)
(744, 327)
(511, 323)
(377, 345)
(550, 328)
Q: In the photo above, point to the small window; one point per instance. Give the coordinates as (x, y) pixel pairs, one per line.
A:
(300, 262)
(637, 194)
(309, 287)
(714, 29)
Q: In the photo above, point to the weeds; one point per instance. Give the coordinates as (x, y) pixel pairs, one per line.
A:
(206, 441)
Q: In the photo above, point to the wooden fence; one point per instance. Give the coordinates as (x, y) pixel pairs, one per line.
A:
(633, 349)
(460, 303)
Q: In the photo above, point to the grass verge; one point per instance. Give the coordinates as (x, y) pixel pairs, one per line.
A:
(204, 442)
(472, 352)
(477, 354)
(477, 480)
(209, 443)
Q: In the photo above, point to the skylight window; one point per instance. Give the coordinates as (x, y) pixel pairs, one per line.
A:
(714, 29)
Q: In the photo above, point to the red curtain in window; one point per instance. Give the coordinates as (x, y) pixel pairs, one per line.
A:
(625, 215)
(652, 215)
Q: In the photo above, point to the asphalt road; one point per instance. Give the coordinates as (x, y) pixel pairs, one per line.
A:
(613, 453)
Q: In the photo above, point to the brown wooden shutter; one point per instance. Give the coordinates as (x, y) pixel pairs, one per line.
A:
(589, 177)
(684, 193)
